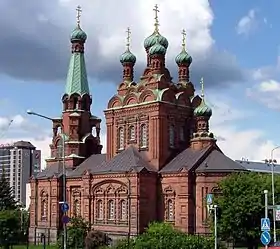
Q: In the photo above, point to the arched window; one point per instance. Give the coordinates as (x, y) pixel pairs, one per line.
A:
(59, 148)
(99, 210)
(143, 136)
(182, 133)
(171, 136)
(123, 210)
(44, 210)
(170, 210)
(111, 210)
(75, 103)
(121, 138)
(76, 208)
(131, 132)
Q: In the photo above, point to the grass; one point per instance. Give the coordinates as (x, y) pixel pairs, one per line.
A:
(34, 247)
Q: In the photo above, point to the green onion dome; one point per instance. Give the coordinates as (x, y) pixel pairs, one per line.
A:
(152, 40)
(157, 48)
(78, 34)
(128, 57)
(203, 110)
(183, 58)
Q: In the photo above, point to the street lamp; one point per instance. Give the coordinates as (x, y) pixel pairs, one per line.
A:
(63, 170)
(271, 162)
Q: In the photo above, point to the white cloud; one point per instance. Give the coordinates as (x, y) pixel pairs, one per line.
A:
(247, 23)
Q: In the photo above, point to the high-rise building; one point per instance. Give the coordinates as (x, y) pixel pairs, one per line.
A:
(19, 161)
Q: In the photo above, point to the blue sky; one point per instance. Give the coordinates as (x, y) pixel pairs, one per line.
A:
(234, 37)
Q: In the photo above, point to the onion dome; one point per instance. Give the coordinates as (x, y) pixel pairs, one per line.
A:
(78, 34)
(203, 110)
(183, 58)
(152, 40)
(128, 57)
(157, 48)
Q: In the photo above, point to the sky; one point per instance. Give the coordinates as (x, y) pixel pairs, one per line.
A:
(234, 45)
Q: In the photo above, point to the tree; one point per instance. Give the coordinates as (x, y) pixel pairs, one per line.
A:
(96, 239)
(7, 201)
(241, 204)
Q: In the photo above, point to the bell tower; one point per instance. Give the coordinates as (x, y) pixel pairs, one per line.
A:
(77, 131)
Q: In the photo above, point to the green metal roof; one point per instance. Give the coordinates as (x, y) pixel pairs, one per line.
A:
(77, 81)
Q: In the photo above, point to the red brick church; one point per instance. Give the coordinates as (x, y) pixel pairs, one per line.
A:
(161, 158)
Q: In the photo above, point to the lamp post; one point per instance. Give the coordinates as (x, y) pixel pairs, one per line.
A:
(63, 171)
(271, 162)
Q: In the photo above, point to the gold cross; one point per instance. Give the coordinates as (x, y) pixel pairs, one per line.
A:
(79, 11)
(156, 10)
(184, 39)
(202, 87)
(128, 38)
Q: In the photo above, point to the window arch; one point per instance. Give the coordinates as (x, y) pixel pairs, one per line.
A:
(143, 136)
(131, 132)
(59, 148)
(121, 138)
(170, 210)
(99, 210)
(111, 210)
(123, 210)
(171, 136)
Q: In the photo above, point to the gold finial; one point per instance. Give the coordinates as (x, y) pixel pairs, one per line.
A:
(156, 10)
(184, 34)
(79, 11)
(128, 38)
(202, 88)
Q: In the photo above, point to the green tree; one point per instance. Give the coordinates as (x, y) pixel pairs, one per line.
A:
(9, 227)
(241, 206)
(7, 201)
(96, 239)
(76, 233)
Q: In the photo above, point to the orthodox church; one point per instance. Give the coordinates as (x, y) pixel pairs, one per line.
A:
(161, 158)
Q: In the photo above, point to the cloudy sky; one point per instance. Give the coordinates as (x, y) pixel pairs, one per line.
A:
(234, 45)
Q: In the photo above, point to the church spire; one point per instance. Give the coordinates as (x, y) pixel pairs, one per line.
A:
(77, 82)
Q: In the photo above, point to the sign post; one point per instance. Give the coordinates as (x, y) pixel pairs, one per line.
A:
(265, 224)
(211, 207)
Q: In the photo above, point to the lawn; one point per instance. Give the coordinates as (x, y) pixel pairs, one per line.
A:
(34, 247)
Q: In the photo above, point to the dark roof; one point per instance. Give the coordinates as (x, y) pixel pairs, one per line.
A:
(259, 166)
(24, 144)
(50, 171)
(186, 159)
(90, 165)
(126, 161)
(216, 161)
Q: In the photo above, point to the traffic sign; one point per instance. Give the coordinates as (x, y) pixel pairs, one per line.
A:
(265, 224)
(209, 199)
(65, 219)
(64, 207)
(265, 238)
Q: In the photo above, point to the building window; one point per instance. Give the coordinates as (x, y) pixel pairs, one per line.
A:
(111, 210)
(143, 136)
(59, 149)
(76, 208)
(121, 138)
(123, 210)
(182, 133)
(170, 210)
(171, 136)
(44, 210)
(131, 133)
(99, 210)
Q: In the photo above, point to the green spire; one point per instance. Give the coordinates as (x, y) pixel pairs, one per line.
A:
(77, 81)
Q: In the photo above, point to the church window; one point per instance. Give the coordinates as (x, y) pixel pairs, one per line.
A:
(77, 208)
(131, 132)
(170, 210)
(111, 210)
(121, 138)
(99, 210)
(182, 133)
(123, 210)
(75, 103)
(59, 148)
(44, 210)
(171, 136)
(143, 136)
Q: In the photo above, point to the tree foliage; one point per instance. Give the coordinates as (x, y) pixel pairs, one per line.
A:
(96, 239)
(242, 206)
(164, 236)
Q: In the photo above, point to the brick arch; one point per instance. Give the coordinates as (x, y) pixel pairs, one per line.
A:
(131, 89)
(140, 88)
(168, 95)
(169, 190)
(101, 187)
(147, 95)
(196, 101)
(115, 101)
(122, 86)
(183, 99)
(130, 99)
